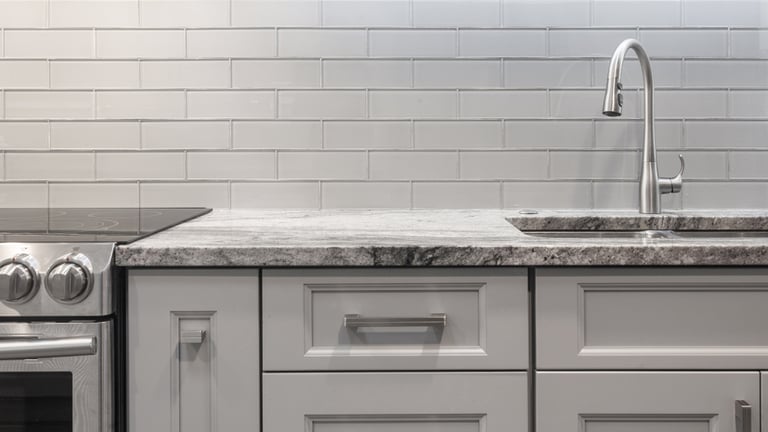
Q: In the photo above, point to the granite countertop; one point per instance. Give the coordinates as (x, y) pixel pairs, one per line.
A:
(232, 238)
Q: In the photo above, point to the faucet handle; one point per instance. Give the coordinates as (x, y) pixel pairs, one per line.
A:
(673, 184)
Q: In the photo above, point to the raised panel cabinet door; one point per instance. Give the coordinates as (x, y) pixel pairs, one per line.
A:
(395, 319)
(193, 350)
(396, 402)
(651, 318)
(647, 401)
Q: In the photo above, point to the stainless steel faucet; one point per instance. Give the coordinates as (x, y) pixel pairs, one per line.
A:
(651, 186)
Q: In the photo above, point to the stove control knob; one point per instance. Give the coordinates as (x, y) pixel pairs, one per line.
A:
(18, 279)
(69, 280)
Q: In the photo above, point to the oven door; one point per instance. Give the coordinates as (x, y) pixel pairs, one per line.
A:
(55, 377)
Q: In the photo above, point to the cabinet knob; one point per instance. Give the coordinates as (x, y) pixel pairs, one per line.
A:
(743, 414)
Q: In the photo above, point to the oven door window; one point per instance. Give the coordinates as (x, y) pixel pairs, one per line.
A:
(35, 402)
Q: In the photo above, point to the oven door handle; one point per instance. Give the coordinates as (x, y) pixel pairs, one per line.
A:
(47, 348)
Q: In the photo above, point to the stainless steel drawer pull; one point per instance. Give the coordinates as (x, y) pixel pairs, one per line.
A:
(192, 336)
(47, 348)
(353, 321)
(743, 416)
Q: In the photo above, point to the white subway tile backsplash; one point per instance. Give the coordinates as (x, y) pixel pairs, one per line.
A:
(503, 104)
(546, 13)
(456, 13)
(731, 13)
(547, 195)
(414, 165)
(726, 73)
(94, 13)
(549, 134)
(326, 165)
(547, 73)
(231, 165)
(140, 43)
(502, 43)
(412, 43)
(726, 195)
(366, 13)
(49, 166)
(615, 195)
(276, 73)
(321, 43)
(276, 195)
(24, 13)
(613, 165)
(472, 195)
(23, 195)
(504, 165)
(185, 135)
(412, 104)
(48, 105)
(367, 73)
(458, 134)
(314, 104)
(24, 136)
(140, 104)
(94, 195)
(207, 43)
(685, 43)
(215, 195)
(276, 134)
(628, 134)
(231, 104)
(49, 43)
(749, 43)
(140, 166)
(457, 73)
(637, 13)
(275, 13)
(690, 104)
(366, 195)
(698, 165)
(185, 74)
(94, 74)
(726, 134)
(367, 134)
(747, 103)
(95, 135)
(184, 13)
(586, 42)
(748, 165)
(24, 74)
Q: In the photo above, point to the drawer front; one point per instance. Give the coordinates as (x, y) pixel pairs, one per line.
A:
(359, 319)
(647, 401)
(396, 402)
(652, 318)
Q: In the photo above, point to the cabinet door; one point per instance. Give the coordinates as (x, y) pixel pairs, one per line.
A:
(193, 350)
(647, 401)
(396, 402)
(483, 319)
(652, 318)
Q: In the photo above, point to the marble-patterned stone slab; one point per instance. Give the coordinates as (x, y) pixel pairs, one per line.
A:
(430, 238)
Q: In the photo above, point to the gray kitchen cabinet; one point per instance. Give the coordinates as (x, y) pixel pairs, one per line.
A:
(652, 318)
(395, 319)
(647, 401)
(193, 350)
(396, 402)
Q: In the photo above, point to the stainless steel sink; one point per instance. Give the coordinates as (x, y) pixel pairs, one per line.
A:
(647, 234)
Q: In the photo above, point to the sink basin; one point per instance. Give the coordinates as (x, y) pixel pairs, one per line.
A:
(646, 234)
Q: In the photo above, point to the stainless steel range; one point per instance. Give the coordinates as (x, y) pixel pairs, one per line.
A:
(62, 328)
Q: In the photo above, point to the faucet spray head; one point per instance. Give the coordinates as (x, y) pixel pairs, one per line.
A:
(614, 99)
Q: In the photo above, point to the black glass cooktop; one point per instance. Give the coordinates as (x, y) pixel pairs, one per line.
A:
(119, 225)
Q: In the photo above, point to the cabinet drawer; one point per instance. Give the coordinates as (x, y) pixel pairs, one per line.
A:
(652, 318)
(358, 319)
(647, 401)
(396, 402)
